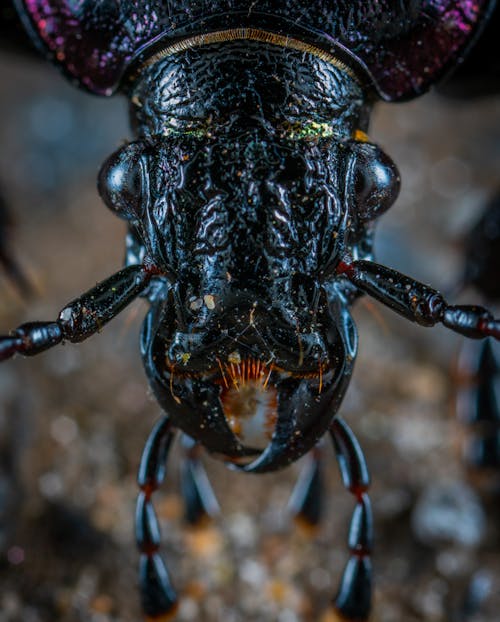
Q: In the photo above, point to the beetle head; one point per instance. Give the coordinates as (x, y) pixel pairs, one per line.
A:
(243, 395)
(247, 355)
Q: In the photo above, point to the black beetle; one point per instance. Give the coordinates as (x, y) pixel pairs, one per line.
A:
(250, 193)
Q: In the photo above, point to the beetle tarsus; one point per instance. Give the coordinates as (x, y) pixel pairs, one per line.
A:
(353, 599)
(200, 502)
(159, 600)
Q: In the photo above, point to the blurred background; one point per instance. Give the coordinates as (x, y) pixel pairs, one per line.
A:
(73, 421)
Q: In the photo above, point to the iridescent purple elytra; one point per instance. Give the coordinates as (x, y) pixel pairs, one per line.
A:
(402, 46)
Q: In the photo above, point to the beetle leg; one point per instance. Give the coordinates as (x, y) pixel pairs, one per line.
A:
(81, 318)
(418, 302)
(478, 404)
(306, 501)
(353, 599)
(199, 498)
(159, 600)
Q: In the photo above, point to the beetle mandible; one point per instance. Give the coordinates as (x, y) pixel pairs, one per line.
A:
(251, 192)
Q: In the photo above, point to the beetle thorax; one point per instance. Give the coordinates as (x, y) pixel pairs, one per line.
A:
(247, 161)
(222, 86)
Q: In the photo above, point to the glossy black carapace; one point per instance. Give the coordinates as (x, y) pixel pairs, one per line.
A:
(251, 190)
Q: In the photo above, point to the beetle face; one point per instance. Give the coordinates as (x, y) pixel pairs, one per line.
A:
(244, 395)
(245, 227)
(246, 198)
(247, 356)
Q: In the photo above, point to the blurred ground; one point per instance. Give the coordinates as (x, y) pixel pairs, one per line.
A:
(73, 421)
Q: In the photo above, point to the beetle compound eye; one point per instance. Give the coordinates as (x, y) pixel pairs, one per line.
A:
(374, 182)
(122, 182)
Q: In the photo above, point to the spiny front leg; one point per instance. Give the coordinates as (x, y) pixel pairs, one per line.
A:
(418, 302)
(81, 318)
(353, 600)
(159, 600)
